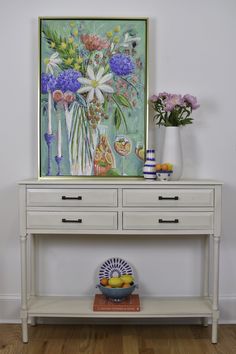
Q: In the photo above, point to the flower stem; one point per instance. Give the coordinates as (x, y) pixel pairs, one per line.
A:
(130, 83)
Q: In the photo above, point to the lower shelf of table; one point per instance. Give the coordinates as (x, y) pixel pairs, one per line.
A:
(57, 306)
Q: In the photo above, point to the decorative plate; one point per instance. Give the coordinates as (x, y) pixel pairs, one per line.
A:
(114, 267)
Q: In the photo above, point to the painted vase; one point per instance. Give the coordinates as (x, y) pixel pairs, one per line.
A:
(104, 159)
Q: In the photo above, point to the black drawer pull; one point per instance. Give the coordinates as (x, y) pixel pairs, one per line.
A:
(71, 198)
(175, 221)
(78, 221)
(168, 198)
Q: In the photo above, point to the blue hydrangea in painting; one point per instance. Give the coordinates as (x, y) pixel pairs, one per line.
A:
(68, 80)
(48, 82)
(121, 64)
(93, 97)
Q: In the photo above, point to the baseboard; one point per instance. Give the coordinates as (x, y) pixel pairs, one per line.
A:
(10, 308)
(227, 306)
(10, 313)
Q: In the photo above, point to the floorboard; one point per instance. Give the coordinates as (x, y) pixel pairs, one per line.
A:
(117, 339)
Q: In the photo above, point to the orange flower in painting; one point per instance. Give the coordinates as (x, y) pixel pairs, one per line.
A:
(69, 97)
(93, 42)
(57, 95)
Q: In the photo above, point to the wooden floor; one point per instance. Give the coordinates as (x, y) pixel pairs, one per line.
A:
(117, 339)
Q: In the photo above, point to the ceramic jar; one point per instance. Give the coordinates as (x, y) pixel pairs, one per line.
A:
(149, 168)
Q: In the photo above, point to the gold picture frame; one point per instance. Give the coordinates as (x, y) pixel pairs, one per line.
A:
(93, 116)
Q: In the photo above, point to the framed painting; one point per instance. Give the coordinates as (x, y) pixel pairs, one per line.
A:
(93, 96)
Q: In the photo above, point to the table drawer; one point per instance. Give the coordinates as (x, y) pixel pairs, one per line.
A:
(168, 197)
(72, 220)
(72, 197)
(168, 220)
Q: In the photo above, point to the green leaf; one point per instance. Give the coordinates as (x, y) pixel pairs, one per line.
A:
(107, 68)
(186, 121)
(113, 172)
(117, 118)
(123, 101)
(105, 106)
(120, 111)
(102, 164)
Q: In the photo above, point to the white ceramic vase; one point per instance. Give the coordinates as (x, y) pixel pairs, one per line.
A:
(172, 151)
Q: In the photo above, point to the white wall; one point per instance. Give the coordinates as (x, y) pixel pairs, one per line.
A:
(192, 50)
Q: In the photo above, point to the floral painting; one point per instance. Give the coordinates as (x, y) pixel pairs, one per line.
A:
(93, 102)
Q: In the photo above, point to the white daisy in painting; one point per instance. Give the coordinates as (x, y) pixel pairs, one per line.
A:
(95, 84)
(52, 63)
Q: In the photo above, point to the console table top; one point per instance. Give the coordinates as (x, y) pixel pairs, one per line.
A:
(116, 181)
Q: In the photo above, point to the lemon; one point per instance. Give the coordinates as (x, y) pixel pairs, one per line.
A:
(115, 282)
(127, 279)
(141, 154)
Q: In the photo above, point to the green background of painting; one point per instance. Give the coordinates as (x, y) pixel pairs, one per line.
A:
(136, 120)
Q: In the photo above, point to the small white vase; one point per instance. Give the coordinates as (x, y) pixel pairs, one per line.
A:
(172, 151)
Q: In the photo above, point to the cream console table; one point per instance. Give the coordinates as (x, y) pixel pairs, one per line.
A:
(118, 207)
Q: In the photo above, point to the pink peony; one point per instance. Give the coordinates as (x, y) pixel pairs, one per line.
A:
(191, 101)
(153, 98)
(172, 101)
(173, 110)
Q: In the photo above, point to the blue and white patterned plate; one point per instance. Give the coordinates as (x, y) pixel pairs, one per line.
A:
(114, 267)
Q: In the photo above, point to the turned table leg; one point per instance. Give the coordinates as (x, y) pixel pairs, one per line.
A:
(206, 273)
(215, 300)
(32, 270)
(24, 315)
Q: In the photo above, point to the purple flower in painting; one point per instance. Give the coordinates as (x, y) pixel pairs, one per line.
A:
(48, 82)
(121, 64)
(172, 101)
(52, 84)
(68, 80)
(191, 101)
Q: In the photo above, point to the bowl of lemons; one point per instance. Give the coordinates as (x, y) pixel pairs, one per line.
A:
(116, 279)
(117, 289)
(164, 171)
